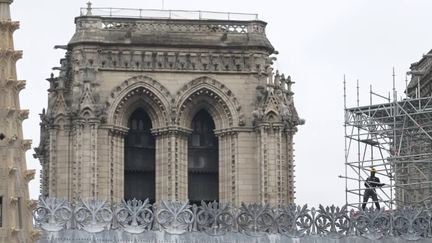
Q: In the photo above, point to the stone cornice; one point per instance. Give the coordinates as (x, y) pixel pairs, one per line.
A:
(232, 130)
(252, 62)
(267, 125)
(155, 70)
(171, 130)
(115, 130)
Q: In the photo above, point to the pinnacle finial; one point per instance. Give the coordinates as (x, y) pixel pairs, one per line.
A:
(89, 8)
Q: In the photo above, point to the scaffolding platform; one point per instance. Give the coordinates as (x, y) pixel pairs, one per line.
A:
(395, 138)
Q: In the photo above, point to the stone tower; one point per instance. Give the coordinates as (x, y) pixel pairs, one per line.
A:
(169, 109)
(15, 206)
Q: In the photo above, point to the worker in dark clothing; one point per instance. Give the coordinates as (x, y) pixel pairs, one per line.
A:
(371, 182)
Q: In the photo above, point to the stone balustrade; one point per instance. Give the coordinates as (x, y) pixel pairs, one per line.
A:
(174, 221)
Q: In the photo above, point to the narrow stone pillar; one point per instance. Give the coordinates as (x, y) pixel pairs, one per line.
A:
(116, 163)
(171, 163)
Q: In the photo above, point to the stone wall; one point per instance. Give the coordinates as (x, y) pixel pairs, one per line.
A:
(171, 69)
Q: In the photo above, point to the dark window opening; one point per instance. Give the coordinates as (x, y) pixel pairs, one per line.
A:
(203, 161)
(139, 176)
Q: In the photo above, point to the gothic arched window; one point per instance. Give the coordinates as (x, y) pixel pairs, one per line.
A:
(203, 165)
(139, 166)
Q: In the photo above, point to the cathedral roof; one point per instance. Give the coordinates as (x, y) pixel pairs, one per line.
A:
(217, 34)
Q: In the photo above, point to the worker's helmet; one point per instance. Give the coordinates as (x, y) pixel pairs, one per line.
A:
(373, 170)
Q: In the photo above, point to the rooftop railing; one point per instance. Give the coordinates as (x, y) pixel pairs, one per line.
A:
(166, 14)
(66, 220)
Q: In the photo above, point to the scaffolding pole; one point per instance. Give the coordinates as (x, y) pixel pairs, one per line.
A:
(394, 137)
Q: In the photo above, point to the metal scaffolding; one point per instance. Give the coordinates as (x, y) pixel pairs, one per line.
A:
(394, 137)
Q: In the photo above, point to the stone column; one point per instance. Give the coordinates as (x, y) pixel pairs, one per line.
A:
(272, 162)
(76, 142)
(289, 163)
(171, 163)
(104, 182)
(236, 163)
(116, 163)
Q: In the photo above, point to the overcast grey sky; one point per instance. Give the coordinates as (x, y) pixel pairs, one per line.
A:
(318, 41)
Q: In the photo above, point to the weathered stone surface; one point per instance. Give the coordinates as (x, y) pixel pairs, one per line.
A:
(171, 69)
(15, 206)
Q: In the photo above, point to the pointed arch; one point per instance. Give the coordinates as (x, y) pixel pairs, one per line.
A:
(211, 95)
(136, 92)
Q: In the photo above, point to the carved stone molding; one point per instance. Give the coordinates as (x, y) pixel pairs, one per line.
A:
(217, 26)
(274, 101)
(116, 130)
(26, 144)
(10, 26)
(150, 60)
(12, 170)
(23, 114)
(171, 130)
(10, 54)
(32, 204)
(29, 175)
(222, 99)
(35, 235)
(154, 94)
(17, 85)
(231, 131)
(13, 200)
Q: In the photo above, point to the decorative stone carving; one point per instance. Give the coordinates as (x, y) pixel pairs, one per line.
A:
(12, 170)
(159, 98)
(412, 223)
(9, 26)
(137, 217)
(372, 224)
(205, 27)
(35, 235)
(52, 214)
(294, 221)
(26, 144)
(93, 216)
(151, 60)
(175, 217)
(274, 101)
(214, 218)
(222, 98)
(13, 200)
(29, 175)
(332, 221)
(255, 219)
(32, 204)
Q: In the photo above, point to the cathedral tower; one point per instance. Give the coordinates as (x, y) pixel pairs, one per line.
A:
(164, 108)
(15, 206)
